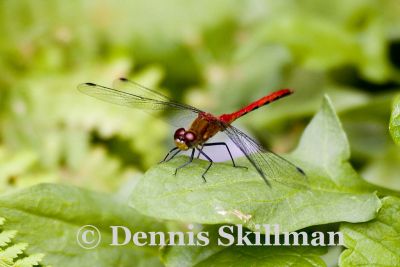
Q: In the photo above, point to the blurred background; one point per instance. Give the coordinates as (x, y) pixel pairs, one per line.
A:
(215, 55)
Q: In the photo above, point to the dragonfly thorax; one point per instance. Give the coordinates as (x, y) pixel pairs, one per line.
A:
(184, 139)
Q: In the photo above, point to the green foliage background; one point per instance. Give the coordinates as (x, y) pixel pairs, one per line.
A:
(216, 55)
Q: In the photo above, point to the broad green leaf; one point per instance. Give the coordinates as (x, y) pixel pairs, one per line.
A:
(394, 125)
(325, 146)
(375, 243)
(257, 256)
(272, 256)
(48, 218)
(239, 196)
(215, 255)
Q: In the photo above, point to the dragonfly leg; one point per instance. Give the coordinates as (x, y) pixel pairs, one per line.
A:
(186, 163)
(173, 155)
(172, 150)
(208, 167)
(227, 148)
(200, 149)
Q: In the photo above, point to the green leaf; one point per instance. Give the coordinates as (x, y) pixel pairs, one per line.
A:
(12, 252)
(6, 236)
(394, 126)
(29, 261)
(239, 196)
(375, 243)
(324, 145)
(214, 255)
(265, 257)
(48, 218)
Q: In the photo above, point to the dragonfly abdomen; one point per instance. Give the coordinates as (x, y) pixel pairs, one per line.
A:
(229, 118)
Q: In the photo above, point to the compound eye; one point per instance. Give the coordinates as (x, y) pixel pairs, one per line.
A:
(190, 137)
(179, 133)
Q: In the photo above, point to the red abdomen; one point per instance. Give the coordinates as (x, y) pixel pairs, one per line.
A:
(229, 118)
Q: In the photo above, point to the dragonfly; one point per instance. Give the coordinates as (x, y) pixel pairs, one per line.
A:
(204, 126)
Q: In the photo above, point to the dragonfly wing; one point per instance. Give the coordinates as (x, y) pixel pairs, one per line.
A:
(133, 95)
(268, 164)
(126, 98)
(134, 88)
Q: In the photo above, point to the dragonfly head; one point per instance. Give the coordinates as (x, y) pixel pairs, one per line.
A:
(184, 139)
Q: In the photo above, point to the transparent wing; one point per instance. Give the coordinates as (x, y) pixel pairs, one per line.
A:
(268, 164)
(128, 86)
(131, 94)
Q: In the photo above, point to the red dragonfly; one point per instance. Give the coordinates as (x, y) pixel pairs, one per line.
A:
(205, 125)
